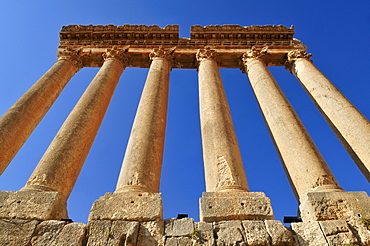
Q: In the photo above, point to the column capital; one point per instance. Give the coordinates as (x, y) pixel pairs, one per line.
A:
(73, 55)
(206, 53)
(253, 53)
(293, 55)
(162, 53)
(117, 53)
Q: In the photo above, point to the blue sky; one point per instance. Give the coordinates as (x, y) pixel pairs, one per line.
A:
(335, 32)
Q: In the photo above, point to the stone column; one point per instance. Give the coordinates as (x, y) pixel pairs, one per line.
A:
(227, 195)
(60, 166)
(350, 126)
(142, 164)
(136, 196)
(315, 186)
(223, 164)
(17, 124)
(305, 167)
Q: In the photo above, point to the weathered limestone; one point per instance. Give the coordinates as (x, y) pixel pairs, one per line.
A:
(279, 234)
(17, 124)
(142, 164)
(61, 164)
(32, 205)
(16, 232)
(350, 126)
(223, 167)
(47, 233)
(127, 206)
(179, 227)
(304, 165)
(334, 206)
(223, 164)
(217, 206)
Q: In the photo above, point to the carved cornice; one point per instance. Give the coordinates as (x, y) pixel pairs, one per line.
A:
(117, 53)
(206, 53)
(73, 55)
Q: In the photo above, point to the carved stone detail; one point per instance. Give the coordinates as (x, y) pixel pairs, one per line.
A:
(117, 53)
(294, 54)
(162, 53)
(206, 53)
(225, 176)
(255, 53)
(74, 55)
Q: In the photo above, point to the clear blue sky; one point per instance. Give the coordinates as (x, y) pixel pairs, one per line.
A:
(336, 33)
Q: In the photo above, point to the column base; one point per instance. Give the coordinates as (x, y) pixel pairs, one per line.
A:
(217, 206)
(317, 206)
(32, 205)
(138, 206)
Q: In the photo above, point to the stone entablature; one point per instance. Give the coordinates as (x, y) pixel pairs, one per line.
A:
(230, 41)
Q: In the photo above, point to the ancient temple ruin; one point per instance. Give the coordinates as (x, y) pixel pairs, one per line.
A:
(230, 214)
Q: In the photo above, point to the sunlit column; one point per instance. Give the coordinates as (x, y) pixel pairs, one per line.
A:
(17, 124)
(302, 161)
(142, 164)
(61, 164)
(350, 126)
(222, 160)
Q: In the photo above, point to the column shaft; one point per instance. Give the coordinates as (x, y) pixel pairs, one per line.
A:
(302, 161)
(350, 126)
(17, 124)
(142, 164)
(222, 160)
(61, 164)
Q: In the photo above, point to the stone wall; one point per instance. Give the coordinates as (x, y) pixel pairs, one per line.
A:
(182, 232)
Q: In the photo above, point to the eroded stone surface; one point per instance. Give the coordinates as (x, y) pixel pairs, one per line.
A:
(229, 233)
(256, 233)
(179, 241)
(361, 231)
(309, 234)
(16, 232)
(47, 233)
(127, 206)
(218, 206)
(179, 227)
(203, 234)
(31, 205)
(337, 232)
(98, 232)
(73, 234)
(279, 234)
(151, 233)
(316, 206)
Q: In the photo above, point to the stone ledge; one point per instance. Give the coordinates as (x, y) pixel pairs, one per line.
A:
(217, 206)
(127, 206)
(32, 205)
(317, 206)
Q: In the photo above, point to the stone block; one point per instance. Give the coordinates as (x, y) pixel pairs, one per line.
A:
(179, 227)
(361, 231)
(73, 234)
(98, 232)
(316, 206)
(179, 241)
(32, 205)
(229, 233)
(111, 233)
(279, 234)
(203, 234)
(309, 234)
(127, 206)
(47, 233)
(16, 232)
(256, 233)
(218, 206)
(337, 232)
(151, 233)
